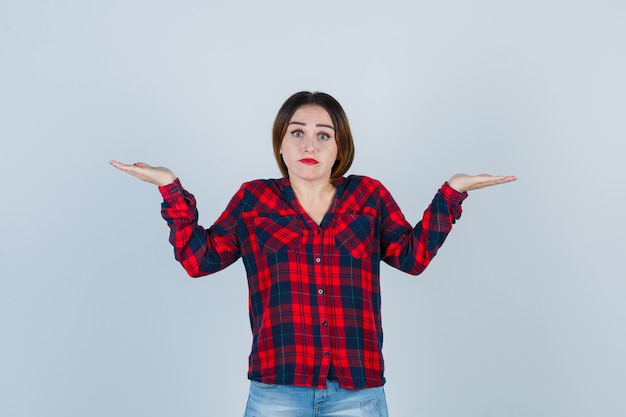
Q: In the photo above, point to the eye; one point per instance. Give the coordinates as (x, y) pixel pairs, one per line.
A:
(297, 134)
(323, 136)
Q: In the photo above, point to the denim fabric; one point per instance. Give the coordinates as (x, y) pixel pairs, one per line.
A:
(267, 400)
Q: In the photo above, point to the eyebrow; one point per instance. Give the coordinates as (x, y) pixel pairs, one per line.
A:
(318, 125)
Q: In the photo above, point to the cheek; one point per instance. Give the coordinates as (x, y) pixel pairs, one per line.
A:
(335, 152)
(286, 151)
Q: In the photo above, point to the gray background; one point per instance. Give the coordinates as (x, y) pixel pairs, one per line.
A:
(521, 313)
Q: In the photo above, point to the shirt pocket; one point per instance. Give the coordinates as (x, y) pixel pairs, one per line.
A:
(355, 234)
(275, 233)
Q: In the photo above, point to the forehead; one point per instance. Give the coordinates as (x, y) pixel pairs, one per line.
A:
(312, 113)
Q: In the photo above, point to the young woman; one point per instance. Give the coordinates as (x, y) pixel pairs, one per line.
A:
(311, 243)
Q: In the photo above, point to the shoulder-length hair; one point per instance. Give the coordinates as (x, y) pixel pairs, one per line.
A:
(343, 135)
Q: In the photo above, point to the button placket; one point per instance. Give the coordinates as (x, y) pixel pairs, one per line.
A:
(321, 291)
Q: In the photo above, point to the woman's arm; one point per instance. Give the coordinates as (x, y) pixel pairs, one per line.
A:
(200, 251)
(411, 249)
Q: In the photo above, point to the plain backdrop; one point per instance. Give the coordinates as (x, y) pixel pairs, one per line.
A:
(522, 312)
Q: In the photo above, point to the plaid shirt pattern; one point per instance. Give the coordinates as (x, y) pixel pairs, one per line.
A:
(314, 293)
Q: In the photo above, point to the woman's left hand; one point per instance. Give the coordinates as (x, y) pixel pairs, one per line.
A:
(464, 182)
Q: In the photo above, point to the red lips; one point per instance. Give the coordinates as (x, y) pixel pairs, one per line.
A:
(308, 161)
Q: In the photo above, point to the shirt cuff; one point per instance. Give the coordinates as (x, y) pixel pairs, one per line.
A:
(171, 191)
(451, 195)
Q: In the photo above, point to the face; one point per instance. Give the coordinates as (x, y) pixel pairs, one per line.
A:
(309, 148)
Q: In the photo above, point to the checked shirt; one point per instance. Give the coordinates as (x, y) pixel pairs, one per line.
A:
(314, 293)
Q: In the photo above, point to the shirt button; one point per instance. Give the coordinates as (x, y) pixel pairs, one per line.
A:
(324, 323)
(318, 260)
(326, 353)
(320, 291)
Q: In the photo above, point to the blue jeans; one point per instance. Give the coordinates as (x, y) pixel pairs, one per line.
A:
(288, 401)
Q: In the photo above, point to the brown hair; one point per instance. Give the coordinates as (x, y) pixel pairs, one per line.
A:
(343, 135)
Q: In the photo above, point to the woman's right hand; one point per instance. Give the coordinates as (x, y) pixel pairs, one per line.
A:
(154, 175)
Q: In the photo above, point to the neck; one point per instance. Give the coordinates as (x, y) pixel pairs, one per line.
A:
(311, 191)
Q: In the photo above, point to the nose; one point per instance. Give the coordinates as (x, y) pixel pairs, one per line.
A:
(308, 144)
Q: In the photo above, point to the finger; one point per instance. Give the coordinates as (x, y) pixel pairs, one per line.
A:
(133, 170)
(115, 163)
(142, 165)
(498, 180)
(501, 179)
(121, 166)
